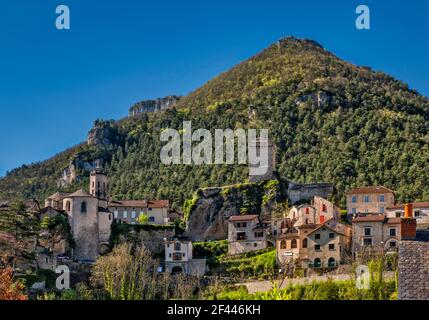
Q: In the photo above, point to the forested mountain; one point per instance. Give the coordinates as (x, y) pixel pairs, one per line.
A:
(331, 121)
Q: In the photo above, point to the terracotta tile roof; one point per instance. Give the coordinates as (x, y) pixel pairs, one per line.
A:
(59, 196)
(394, 220)
(415, 204)
(80, 193)
(158, 204)
(367, 190)
(249, 217)
(370, 218)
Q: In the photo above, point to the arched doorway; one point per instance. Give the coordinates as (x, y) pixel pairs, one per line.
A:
(332, 263)
(317, 263)
(177, 270)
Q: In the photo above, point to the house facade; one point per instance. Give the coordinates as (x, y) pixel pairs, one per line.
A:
(369, 200)
(420, 212)
(375, 233)
(245, 234)
(179, 258)
(128, 211)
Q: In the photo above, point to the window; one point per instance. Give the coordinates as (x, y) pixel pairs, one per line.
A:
(115, 214)
(417, 213)
(304, 243)
(255, 244)
(317, 247)
(125, 214)
(151, 219)
(324, 208)
(366, 199)
(177, 246)
(317, 236)
(381, 198)
(354, 210)
(317, 263)
(322, 219)
(393, 244)
(241, 236)
(283, 244)
(133, 214)
(150, 209)
(110, 217)
(381, 209)
(68, 206)
(307, 210)
(354, 199)
(306, 221)
(275, 232)
(398, 214)
(293, 244)
(83, 207)
(368, 231)
(367, 242)
(331, 246)
(331, 235)
(392, 232)
(259, 234)
(177, 256)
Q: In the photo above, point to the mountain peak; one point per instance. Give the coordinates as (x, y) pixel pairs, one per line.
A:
(288, 40)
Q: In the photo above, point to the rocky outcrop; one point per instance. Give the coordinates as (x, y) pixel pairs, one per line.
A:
(103, 134)
(211, 208)
(153, 105)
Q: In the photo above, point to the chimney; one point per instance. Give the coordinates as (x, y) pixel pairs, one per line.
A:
(408, 224)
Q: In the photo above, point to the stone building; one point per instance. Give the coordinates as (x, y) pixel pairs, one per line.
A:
(315, 245)
(245, 234)
(369, 200)
(319, 211)
(256, 147)
(374, 234)
(128, 211)
(179, 258)
(305, 192)
(328, 245)
(420, 212)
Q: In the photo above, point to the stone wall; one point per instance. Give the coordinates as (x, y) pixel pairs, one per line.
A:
(300, 192)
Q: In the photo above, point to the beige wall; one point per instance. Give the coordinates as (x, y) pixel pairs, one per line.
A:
(84, 227)
(251, 242)
(185, 252)
(325, 253)
(380, 232)
(373, 206)
(326, 209)
(157, 216)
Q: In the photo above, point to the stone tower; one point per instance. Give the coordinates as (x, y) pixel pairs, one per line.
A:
(255, 147)
(98, 186)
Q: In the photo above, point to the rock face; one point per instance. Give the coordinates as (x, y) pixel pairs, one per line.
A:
(212, 207)
(153, 105)
(103, 134)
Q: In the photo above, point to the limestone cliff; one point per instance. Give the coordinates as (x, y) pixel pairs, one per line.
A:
(210, 208)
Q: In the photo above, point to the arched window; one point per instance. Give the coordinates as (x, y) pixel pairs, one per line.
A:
(68, 207)
(283, 244)
(331, 262)
(83, 207)
(317, 263)
(304, 243)
(294, 244)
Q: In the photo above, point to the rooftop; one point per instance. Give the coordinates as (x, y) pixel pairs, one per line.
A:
(415, 204)
(249, 217)
(368, 190)
(140, 203)
(80, 193)
(370, 218)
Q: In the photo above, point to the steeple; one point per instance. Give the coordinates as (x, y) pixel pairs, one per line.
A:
(98, 184)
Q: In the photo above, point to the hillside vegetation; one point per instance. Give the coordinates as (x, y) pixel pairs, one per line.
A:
(331, 121)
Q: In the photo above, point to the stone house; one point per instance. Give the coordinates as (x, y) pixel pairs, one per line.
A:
(420, 212)
(328, 246)
(279, 226)
(179, 258)
(128, 211)
(245, 234)
(369, 200)
(319, 211)
(375, 233)
(315, 245)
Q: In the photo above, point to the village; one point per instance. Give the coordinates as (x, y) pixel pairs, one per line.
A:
(313, 234)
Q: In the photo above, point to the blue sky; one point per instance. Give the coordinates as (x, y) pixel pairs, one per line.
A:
(54, 84)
